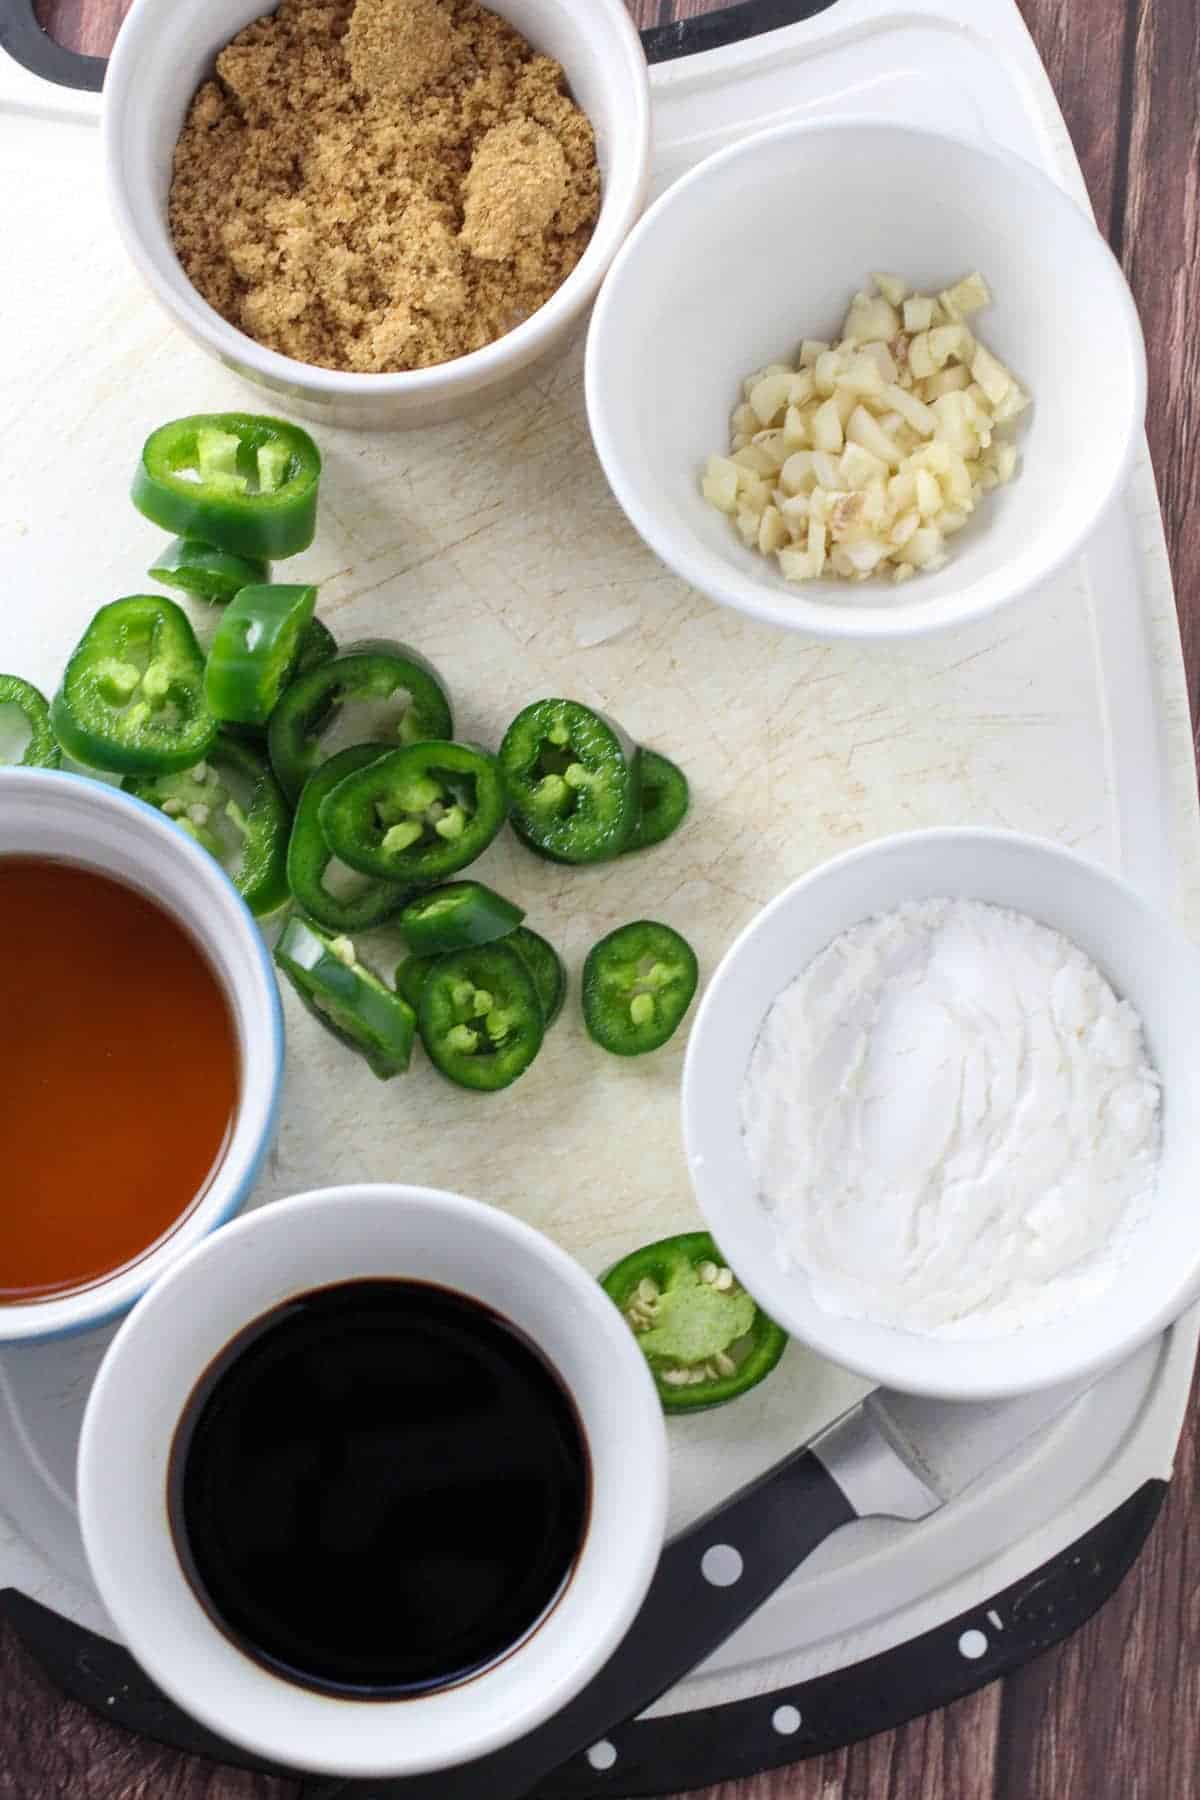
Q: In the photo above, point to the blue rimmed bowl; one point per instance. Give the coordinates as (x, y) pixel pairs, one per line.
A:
(44, 813)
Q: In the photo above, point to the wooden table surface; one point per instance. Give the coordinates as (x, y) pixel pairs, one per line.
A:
(1113, 1714)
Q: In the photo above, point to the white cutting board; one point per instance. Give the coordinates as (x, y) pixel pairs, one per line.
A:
(493, 545)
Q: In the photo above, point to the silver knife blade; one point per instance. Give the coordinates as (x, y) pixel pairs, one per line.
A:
(902, 1456)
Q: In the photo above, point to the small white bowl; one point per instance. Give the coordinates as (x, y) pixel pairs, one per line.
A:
(763, 244)
(1148, 962)
(166, 50)
(314, 1240)
(47, 813)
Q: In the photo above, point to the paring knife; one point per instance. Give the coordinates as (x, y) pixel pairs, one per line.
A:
(892, 1456)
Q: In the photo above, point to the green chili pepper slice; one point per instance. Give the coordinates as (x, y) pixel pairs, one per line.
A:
(317, 646)
(357, 901)
(206, 573)
(395, 692)
(572, 779)
(417, 814)
(664, 800)
(638, 982)
(238, 481)
(480, 1017)
(455, 916)
(348, 998)
(255, 651)
(233, 805)
(705, 1338)
(409, 978)
(36, 742)
(547, 968)
(131, 698)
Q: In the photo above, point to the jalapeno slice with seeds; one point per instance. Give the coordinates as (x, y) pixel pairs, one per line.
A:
(398, 694)
(233, 805)
(348, 998)
(206, 573)
(131, 699)
(546, 966)
(638, 983)
(341, 899)
(705, 1338)
(455, 916)
(480, 1017)
(36, 741)
(239, 481)
(417, 814)
(572, 781)
(256, 650)
(664, 800)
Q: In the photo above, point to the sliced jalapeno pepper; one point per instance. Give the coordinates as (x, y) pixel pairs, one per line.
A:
(381, 677)
(572, 780)
(205, 572)
(637, 984)
(705, 1338)
(455, 916)
(480, 1017)
(664, 800)
(233, 805)
(317, 646)
(36, 742)
(358, 901)
(255, 651)
(131, 698)
(239, 481)
(410, 977)
(547, 968)
(348, 998)
(417, 814)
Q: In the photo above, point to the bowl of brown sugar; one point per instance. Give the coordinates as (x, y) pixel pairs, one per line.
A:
(384, 211)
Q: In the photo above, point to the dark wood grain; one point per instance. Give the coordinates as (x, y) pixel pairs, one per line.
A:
(1114, 1714)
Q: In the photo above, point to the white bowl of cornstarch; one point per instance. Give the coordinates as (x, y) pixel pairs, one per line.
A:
(939, 1110)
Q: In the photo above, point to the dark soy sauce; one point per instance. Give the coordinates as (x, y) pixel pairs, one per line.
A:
(378, 1488)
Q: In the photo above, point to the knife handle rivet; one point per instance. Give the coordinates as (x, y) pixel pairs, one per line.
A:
(972, 1645)
(602, 1755)
(786, 1720)
(721, 1565)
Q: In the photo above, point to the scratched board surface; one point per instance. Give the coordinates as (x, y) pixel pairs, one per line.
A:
(494, 546)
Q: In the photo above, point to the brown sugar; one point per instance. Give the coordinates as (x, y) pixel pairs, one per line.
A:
(382, 186)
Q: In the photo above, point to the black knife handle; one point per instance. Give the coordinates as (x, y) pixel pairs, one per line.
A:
(708, 1582)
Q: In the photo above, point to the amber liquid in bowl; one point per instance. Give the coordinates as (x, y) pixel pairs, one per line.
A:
(120, 1076)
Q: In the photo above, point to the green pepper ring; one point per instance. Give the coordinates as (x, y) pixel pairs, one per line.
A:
(373, 668)
(658, 1262)
(98, 726)
(601, 768)
(42, 751)
(380, 1025)
(275, 523)
(308, 855)
(261, 880)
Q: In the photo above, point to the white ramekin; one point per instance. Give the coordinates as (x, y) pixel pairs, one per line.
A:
(763, 244)
(166, 50)
(47, 813)
(1148, 962)
(310, 1241)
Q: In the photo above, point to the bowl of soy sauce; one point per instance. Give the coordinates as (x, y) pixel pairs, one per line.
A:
(373, 1481)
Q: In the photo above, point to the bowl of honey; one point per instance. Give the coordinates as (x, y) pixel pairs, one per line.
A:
(145, 1050)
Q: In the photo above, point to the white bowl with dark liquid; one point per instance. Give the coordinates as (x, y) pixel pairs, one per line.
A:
(128, 1465)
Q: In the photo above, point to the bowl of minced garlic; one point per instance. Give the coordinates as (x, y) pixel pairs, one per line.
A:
(385, 210)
